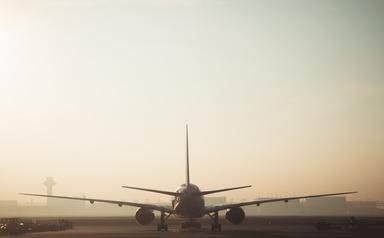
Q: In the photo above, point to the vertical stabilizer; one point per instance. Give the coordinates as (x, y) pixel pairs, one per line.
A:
(187, 154)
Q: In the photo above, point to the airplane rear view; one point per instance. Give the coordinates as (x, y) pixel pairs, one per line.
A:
(188, 202)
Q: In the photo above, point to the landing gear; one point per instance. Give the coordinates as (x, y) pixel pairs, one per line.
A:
(215, 218)
(162, 226)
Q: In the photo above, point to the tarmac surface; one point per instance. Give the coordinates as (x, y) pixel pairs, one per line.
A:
(264, 227)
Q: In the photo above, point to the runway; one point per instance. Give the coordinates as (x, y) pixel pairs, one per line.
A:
(276, 227)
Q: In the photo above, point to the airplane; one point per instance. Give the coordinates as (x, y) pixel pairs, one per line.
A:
(188, 203)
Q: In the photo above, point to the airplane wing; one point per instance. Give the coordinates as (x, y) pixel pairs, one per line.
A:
(119, 203)
(215, 208)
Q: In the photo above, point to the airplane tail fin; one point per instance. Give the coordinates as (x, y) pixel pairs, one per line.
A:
(187, 157)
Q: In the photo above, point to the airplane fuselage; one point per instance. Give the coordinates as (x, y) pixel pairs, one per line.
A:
(188, 204)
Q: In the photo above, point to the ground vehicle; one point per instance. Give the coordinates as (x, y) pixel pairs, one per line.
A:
(12, 226)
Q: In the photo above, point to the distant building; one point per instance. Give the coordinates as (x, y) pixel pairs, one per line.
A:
(366, 208)
(8, 207)
(292, 207)
(56, 203)
(325, 206)
(106, 209)
(49, 183)
(214, 200)
(8, 204)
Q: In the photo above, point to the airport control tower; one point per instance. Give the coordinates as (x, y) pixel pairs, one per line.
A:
(49, 183)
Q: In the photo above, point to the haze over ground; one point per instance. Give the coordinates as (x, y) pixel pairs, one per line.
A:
(285, 95)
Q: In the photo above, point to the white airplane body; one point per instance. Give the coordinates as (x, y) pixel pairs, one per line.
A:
(188, 203)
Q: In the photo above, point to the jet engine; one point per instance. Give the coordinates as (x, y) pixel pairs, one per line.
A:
(144, 216)
(235, 215)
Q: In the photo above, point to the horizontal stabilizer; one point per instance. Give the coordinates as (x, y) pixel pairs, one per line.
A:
(202, 193)
(154, 191)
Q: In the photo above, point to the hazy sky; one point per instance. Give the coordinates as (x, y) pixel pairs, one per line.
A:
(285, 95)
